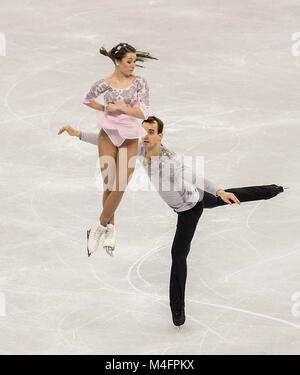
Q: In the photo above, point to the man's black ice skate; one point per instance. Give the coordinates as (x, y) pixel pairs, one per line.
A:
(178, 317)
(276, 189)
(280, 189)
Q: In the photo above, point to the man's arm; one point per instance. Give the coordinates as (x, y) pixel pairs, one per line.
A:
(197, 179)
(84, 136)
(210, 187)
(89, 137)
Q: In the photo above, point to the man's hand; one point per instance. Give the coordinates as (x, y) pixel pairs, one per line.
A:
(225, 196)
(111, 107)
(70, 131)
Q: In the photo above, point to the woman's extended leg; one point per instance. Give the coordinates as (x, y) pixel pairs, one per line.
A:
(126, 158)
(108, 158)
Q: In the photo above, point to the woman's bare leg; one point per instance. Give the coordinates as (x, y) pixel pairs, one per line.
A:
(126, 158)
(108, 170)
(105, 196)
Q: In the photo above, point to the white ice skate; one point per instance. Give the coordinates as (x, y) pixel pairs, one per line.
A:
(93, 237)
(109, 242)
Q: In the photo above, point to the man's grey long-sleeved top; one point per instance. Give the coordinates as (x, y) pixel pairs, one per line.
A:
(174, 180)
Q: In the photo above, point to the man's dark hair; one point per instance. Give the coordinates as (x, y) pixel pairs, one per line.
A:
(160, 124)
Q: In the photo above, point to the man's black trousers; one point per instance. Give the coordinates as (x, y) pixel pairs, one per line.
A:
(186, 226)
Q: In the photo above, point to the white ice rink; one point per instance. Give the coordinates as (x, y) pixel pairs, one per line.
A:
(227, 86)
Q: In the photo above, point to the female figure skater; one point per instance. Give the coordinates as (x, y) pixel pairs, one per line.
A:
(126, 99)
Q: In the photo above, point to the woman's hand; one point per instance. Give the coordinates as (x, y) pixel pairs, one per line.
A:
(130, 111)
(225, 196)
(71, 131)
(111, 107)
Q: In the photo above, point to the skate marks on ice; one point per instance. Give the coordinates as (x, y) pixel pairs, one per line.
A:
(138, 282)
(135, 274)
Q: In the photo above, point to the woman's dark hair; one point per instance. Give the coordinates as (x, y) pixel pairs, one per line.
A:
(160, 124)
(119, 51)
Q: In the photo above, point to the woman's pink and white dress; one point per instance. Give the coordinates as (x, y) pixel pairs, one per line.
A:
(118, 125)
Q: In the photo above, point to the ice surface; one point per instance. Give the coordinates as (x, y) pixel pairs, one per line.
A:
(227, 87)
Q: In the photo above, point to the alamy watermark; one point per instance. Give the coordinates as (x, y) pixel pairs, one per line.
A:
(2, 304)
(2, 44)
(163, 173)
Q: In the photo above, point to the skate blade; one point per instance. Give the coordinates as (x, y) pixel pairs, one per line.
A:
(109, 250)
(88, 235)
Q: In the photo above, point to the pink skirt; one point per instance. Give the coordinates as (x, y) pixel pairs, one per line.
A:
(119, 126)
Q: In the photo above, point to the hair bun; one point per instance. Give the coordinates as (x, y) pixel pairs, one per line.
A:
(104, 52)
(120, 50)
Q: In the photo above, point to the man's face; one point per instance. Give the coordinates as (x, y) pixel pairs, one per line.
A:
(152, 139)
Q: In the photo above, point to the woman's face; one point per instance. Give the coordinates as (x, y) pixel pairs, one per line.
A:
(127, 64)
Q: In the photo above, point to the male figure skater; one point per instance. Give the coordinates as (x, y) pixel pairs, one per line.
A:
(188, 202)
